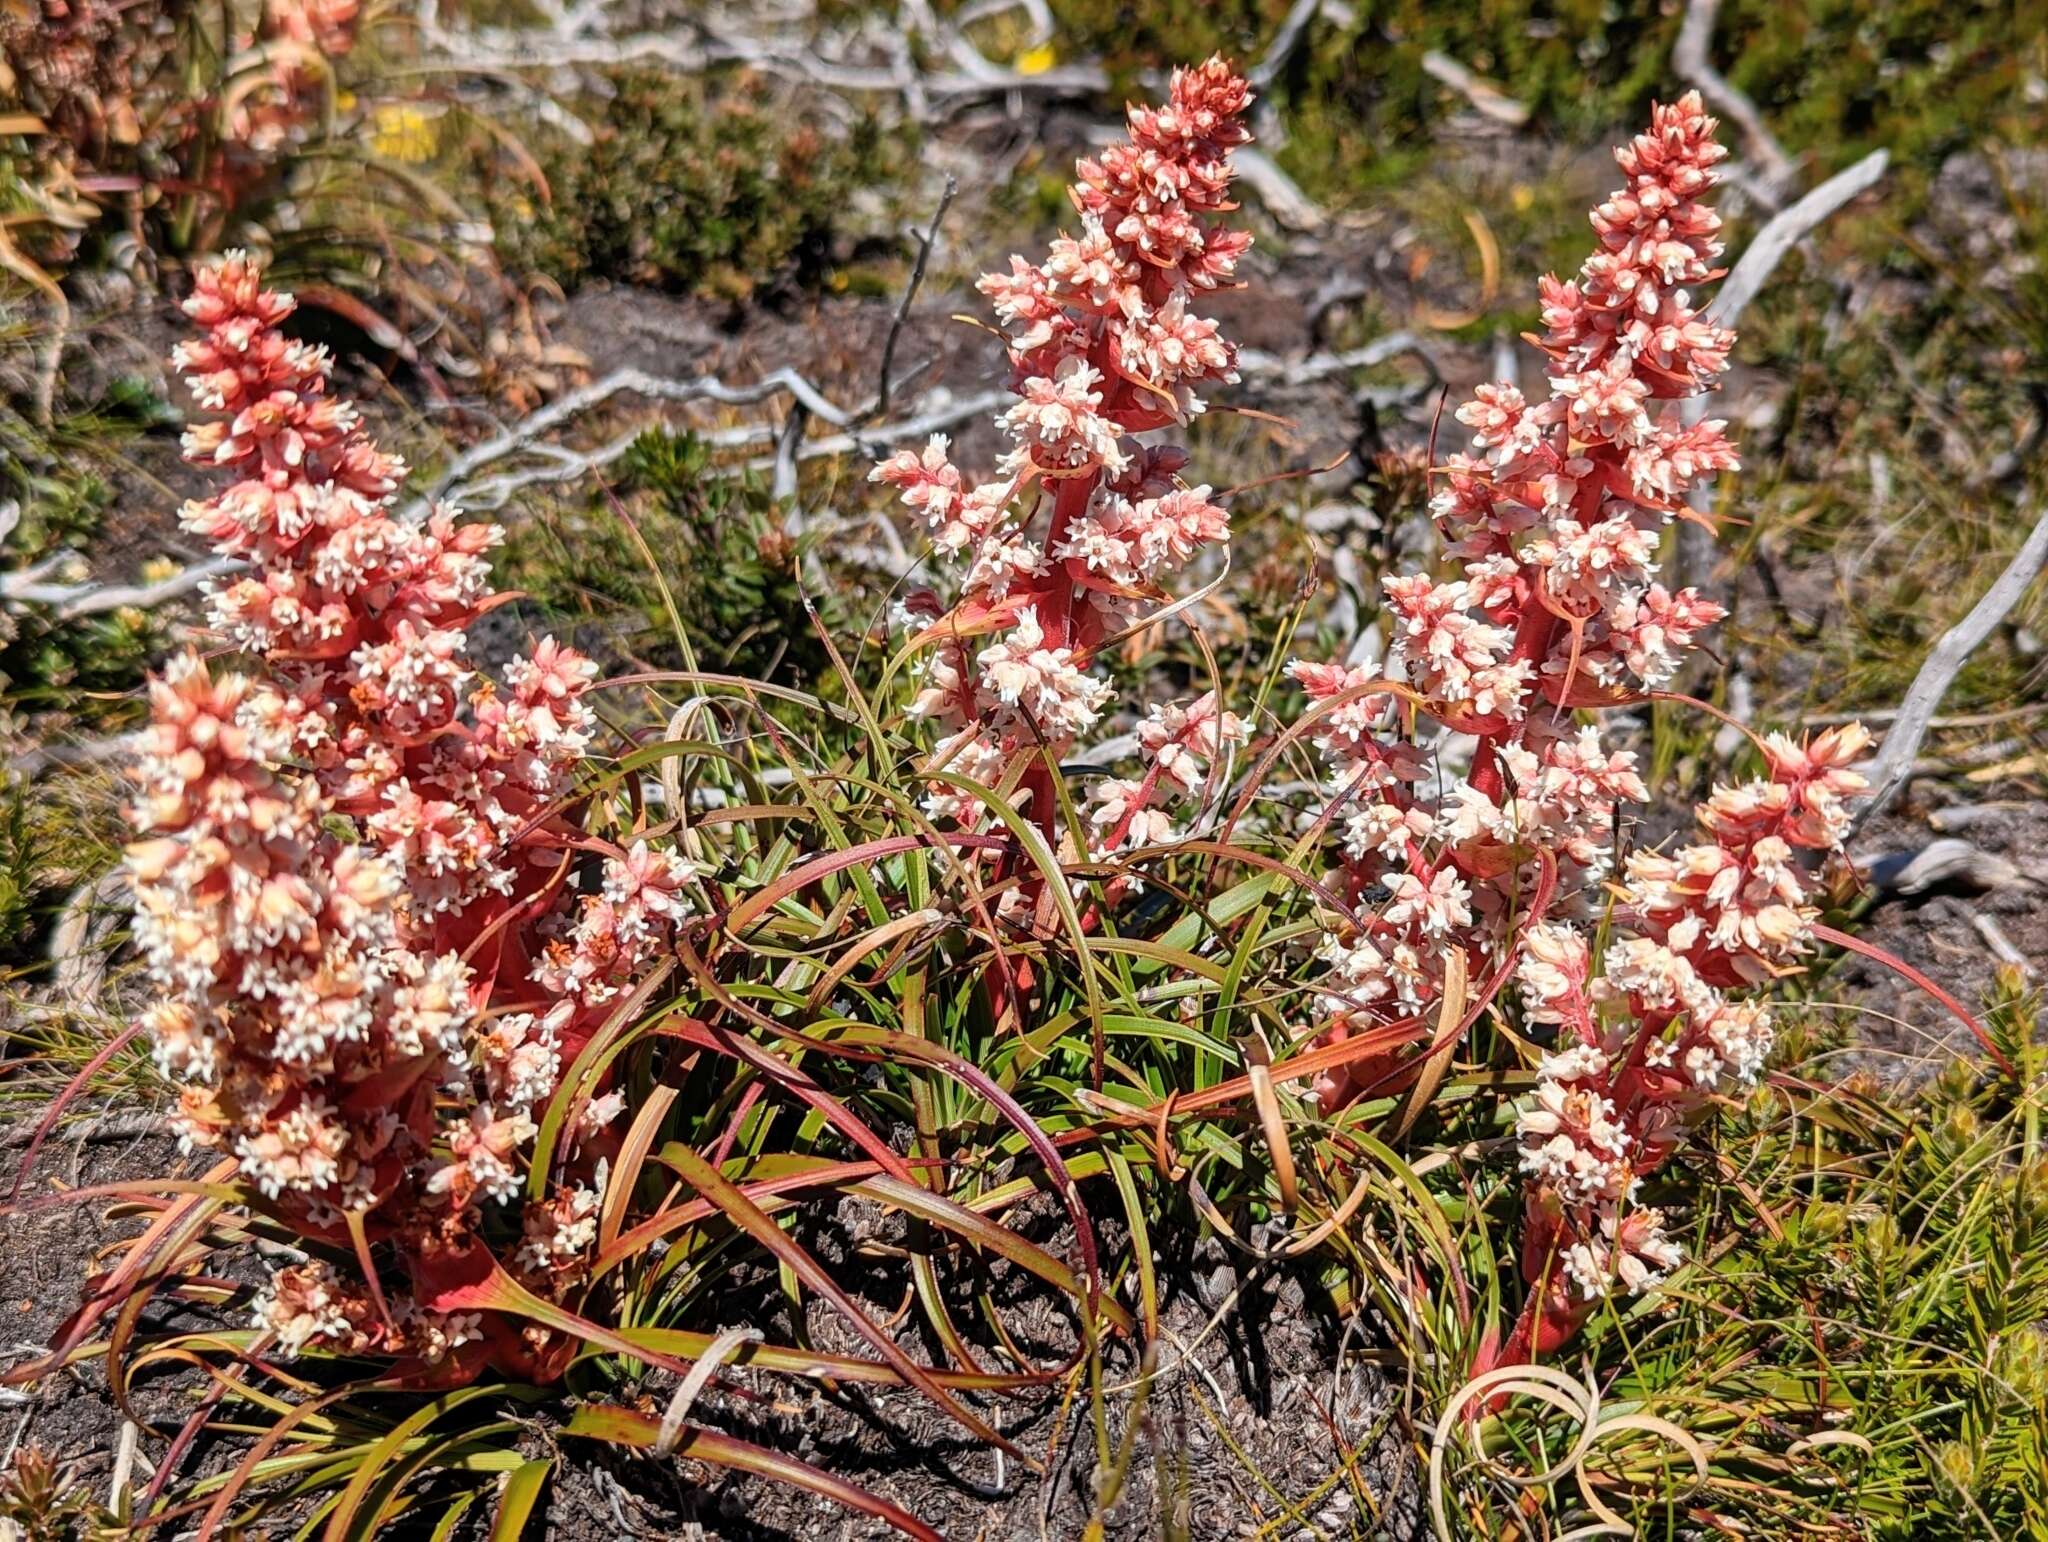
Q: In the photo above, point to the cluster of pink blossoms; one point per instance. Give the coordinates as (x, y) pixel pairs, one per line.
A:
(1645, 1043)
(1555, 517)
(353, 887)
(1449, 838)
(291, 53)
(1104, 346)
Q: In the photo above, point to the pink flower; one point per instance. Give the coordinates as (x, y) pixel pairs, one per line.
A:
(1068, 544)
(1458, 796)
(1436, 905)
(327, 842)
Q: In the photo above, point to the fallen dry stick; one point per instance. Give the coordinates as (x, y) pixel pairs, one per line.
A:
(1893, 765)
(1691, 55)
(1785, 230)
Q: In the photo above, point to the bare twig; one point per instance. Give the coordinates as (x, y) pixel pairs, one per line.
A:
(1285, 41)
(1279, 193)
(461, 480)
(1936, 865)
(72, 601)
(53, 364)
(1967, 816)
(1890, 770)
(925, 243)
(782, 488)
(78, 960)
(2001, 946)
(947, 415)
(1785, 230)
(124, 1468)
(701, 1373)
(488, 493)
(1692, 57)
(39, 758)
(526, 433)
(713, 37)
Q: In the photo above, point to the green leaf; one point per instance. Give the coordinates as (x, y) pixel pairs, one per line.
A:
(523, 1487)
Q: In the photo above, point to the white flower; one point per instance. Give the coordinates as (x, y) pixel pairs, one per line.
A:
(1437, 906)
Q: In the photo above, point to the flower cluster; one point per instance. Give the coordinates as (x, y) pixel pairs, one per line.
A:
(1555, 516)
(295, 43)
(353, 886)
(1644, 1044)
(1104, 345)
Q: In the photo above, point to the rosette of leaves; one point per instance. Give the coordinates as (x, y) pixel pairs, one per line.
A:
(39, 1503)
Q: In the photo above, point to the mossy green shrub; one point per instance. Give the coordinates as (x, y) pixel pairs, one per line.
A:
(674, 543)
(1835, 77)
(58, 673)
(716, 186)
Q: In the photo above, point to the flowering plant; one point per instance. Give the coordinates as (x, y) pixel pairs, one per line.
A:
(1103, 346)
(1507, 862)
(1470, 793)
(515, 1049)
(354, 890)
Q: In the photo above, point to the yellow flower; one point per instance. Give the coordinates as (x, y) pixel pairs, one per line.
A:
(401, 132)
(1036, 61)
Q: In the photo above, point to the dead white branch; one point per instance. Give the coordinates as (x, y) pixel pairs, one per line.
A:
(78, 942)
(535, 426)
(1938, 864)
(1967, 816)
(79, 753)
(1784, 230)
(745, 36)
(1279, 194)
(1487, 99)
(474, 479)
(1285, 41)
(484, 494)
(1893, 765)
(71, 601)
(1692, 55)
(2001, 946)
(935, 420)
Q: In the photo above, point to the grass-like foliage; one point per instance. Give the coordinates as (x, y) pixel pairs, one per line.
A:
(678, 543)
(539, 1027)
